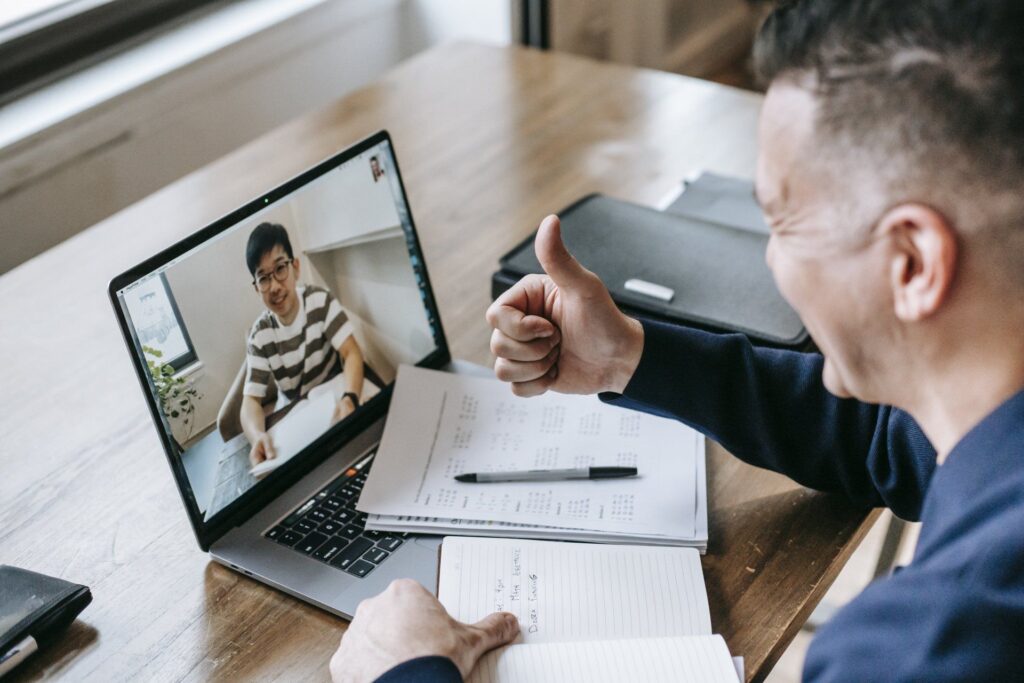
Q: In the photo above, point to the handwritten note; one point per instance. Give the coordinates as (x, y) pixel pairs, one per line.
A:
(575, 592)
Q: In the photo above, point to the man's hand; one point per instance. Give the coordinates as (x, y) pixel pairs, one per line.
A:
(262, 449)
(405, 622)
(342, 409)
(562, 331)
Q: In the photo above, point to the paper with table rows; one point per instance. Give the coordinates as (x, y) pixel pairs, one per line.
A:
(443, 424)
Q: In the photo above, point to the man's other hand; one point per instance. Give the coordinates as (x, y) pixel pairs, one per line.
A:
(405, 622)
(262, 450)
(562, 331)
(342, 409)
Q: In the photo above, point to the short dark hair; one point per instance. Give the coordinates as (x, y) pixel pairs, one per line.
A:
(262, 239)
(931, 91)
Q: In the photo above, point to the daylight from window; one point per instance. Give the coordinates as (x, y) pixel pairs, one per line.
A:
(13, 11)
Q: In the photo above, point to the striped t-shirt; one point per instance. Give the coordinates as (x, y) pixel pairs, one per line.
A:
(299, 356)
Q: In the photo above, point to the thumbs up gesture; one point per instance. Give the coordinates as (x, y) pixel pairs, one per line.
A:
(561, 330)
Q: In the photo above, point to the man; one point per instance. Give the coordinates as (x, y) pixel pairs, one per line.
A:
(376, 169)
(890, 170)
(300, 341)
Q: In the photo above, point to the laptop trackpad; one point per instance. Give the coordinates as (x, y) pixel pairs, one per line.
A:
(431, 542)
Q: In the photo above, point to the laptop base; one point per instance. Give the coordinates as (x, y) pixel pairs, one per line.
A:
(246, 550)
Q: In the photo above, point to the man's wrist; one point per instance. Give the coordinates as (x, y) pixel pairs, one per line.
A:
(629, 355)
(424, 667)
(351, 396)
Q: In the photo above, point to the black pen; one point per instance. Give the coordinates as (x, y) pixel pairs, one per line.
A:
(548, 475)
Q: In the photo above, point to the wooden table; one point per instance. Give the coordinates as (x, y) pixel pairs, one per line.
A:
(490, 140)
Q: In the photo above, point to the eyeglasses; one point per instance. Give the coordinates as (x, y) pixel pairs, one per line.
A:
(280, 273)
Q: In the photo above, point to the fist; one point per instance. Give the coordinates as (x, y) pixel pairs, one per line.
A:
(561, 330)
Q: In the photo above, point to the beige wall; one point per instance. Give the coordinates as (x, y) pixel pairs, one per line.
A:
(355, 207)
(377, 286)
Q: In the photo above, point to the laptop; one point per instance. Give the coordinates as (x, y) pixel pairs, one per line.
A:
(221, 320)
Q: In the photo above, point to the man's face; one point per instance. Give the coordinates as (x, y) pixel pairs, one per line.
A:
(280, 297)
(821, 255)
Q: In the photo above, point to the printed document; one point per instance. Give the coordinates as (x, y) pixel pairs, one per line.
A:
(443, 424)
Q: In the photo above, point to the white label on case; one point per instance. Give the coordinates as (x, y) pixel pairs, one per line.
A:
(650, 289)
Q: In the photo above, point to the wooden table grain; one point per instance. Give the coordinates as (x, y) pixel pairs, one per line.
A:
(490, 140)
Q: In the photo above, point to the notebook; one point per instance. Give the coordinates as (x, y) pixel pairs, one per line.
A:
(586, 612)
(441, 425)
(292, 434)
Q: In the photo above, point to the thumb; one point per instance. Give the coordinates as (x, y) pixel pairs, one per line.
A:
(496, 630)
(555, 259)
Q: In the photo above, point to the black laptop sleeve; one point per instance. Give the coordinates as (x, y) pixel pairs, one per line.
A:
(36, 605)
(717, 271)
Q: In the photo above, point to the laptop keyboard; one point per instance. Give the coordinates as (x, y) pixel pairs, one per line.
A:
(327, 527)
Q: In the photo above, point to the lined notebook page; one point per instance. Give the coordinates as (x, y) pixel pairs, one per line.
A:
(574, 591)
(694, 658)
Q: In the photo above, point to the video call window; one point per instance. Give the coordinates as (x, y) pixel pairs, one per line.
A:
(284, 325)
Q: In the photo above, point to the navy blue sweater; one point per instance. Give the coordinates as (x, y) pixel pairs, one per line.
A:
(957, 611)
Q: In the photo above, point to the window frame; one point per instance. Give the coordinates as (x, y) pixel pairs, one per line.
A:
(43, 47)
(183, 360)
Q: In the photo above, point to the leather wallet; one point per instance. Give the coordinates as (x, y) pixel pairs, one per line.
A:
(37, 607)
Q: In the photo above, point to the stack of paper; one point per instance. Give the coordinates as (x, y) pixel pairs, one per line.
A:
(443, 424)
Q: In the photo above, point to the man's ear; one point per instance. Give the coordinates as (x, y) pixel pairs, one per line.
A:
(923, 259)
(298, 271)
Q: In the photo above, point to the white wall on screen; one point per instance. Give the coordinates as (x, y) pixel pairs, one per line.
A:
(377, 285)
(347, 206)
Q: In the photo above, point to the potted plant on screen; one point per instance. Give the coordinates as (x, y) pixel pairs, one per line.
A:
(177, 395)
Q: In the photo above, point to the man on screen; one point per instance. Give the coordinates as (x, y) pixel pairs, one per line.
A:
(300, 341)
(376, 168)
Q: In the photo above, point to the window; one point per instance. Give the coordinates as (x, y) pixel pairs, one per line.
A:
(17, 11)
(157, 322)
(43, 39)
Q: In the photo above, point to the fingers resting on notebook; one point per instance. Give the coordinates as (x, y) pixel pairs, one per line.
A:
(405, 622)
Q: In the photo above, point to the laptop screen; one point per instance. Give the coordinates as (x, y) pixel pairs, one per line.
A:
(281, 326)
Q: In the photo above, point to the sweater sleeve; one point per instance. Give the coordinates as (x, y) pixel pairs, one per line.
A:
(934, 625)
(770, 408)
(423, 670)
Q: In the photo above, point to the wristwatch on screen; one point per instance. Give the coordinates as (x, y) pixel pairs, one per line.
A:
(351, 395)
